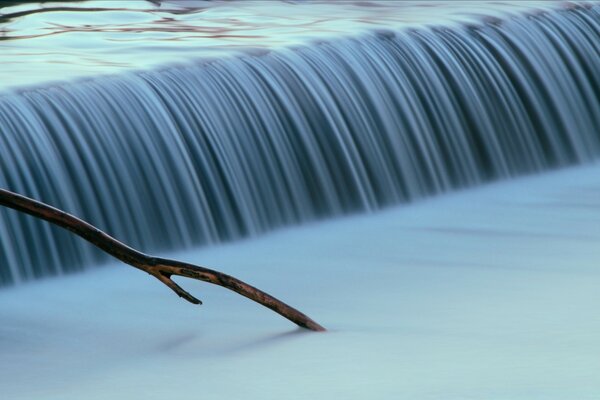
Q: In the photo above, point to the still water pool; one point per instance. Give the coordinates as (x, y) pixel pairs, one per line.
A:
(50, 41)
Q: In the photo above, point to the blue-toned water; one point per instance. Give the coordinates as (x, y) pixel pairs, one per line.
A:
(226, 148)
(58, 41)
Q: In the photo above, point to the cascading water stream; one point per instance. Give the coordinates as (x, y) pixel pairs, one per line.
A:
(224, 149)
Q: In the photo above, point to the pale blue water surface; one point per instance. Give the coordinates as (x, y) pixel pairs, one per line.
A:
(50, 41)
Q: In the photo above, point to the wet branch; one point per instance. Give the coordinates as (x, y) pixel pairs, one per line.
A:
(160, 268)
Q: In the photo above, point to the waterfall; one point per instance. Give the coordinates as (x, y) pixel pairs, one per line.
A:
(228, 148)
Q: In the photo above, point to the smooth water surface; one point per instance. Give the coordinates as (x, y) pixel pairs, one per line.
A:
(62, 40)
(485, 294)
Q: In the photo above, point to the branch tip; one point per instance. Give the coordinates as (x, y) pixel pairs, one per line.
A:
(165, 278)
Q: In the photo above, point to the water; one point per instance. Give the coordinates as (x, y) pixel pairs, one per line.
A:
(227, 148)
(445, 299)
(61, 41)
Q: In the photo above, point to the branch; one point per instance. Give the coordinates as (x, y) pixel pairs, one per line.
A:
(161, 268)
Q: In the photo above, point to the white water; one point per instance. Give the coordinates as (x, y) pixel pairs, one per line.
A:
(488, 294)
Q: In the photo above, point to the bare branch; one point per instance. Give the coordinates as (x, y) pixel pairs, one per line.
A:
(161, 268)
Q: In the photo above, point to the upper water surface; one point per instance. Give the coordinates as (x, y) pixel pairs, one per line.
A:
(43, 42)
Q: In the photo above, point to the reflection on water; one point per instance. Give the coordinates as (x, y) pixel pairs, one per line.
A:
(45, 41)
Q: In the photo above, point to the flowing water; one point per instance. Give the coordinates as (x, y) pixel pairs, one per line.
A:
(224, 148)
(50, 41)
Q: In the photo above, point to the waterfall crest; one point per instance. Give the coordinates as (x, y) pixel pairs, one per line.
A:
(224, 149)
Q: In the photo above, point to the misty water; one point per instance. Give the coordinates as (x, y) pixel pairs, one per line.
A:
(420, 177)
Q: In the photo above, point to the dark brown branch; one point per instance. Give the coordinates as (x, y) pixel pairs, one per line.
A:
(160, 268)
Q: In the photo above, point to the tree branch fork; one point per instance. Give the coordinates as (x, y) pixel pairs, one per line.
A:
(161, 268)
